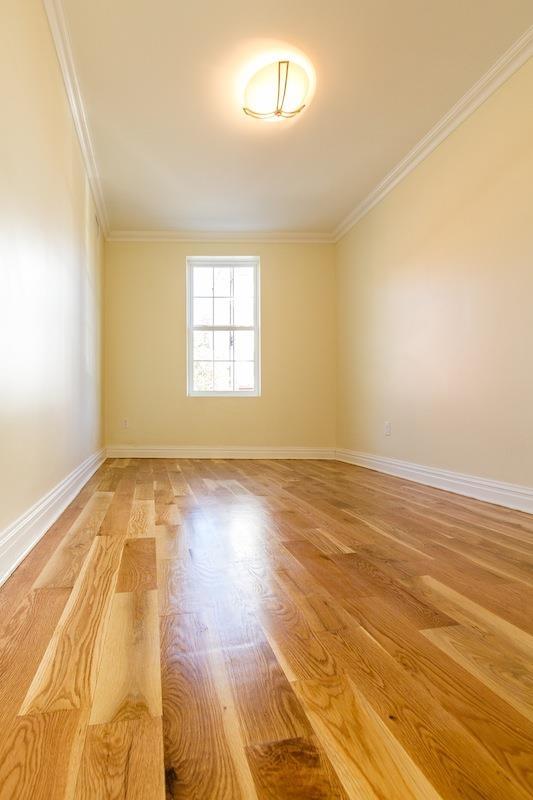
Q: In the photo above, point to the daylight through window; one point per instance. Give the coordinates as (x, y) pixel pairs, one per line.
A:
(223, 326)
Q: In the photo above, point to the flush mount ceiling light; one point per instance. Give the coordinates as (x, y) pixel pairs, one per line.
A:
(278, 90)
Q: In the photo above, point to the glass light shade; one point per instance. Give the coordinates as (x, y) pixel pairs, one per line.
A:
(278, 90)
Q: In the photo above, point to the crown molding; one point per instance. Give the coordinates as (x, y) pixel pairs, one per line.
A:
(59, 31)
(515, 57)
(271, 237)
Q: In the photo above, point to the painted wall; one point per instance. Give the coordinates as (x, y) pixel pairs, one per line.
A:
(145, 339)
(435, 303)
(50, 254)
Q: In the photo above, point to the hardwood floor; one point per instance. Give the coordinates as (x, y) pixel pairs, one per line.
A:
(281, 630)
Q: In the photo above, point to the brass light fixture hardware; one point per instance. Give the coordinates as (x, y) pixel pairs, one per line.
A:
(286, 94)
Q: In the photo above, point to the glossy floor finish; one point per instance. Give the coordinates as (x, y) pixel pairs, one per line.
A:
(290, 630)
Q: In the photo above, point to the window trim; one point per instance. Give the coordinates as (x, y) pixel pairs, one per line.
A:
(212, 261)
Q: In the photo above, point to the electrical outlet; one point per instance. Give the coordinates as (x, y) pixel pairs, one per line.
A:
(388, 428)
(125, 423)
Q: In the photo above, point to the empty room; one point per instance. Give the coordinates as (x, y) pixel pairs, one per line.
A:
(266, 400)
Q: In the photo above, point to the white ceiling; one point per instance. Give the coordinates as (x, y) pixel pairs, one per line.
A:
(173, 149)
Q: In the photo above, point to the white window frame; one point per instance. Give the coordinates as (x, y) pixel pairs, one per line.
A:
(217, 261)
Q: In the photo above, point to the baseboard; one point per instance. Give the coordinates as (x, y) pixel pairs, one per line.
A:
(509, 495)
(18, 539)
(156, 451)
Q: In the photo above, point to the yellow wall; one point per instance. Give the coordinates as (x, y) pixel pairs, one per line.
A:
(146, 350)
(49, 258)
(432, 303)
(435, 303)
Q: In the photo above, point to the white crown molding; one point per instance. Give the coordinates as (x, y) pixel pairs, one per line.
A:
(172, 451)
(505, 66)
(272, 237)
(515, 57)
(509, 495)
(59, 31)
(23, 534)
(501, 70)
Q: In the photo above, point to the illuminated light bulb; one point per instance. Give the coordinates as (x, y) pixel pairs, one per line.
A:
(277, 91)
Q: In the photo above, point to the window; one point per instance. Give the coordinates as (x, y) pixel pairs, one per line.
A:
(223, 326)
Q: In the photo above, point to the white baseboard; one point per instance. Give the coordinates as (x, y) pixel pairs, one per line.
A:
(503, 494)
(144, 451)
(18, 538)
(23, 534)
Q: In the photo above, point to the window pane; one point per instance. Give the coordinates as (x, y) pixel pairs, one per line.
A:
(203, 376)
(203, 345)
(244, 346)
(223, 376)
(222, 345)
(243, 311)
(222, 281)
(203, 282)
(243, 282)
(223, 297)
(244, 376)
(222, 312)
(202, 312)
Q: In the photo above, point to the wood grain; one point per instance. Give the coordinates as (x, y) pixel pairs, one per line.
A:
(495, 725)
(503, 669)
(293, 769)
(63, 567)
(129, 676)
(22, 645)
(290, 630)
(142, 517)
(66, 676)
(138, 571)
(368, 758)
(122, 761)
(41, 755)
(198, 756)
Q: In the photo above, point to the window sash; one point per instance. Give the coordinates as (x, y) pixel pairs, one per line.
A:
(210, 263)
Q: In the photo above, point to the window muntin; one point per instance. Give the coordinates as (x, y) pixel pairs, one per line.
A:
(223, 326)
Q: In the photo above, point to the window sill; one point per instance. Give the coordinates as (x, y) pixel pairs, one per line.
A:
(223, 394)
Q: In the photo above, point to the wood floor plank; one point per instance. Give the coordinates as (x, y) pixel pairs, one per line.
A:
(319, 608)
(267, 706)
(138, 569)
(169, 542)
(115, 522)
(198, 758)
(374, 581)
(66, 676)
(23, 641)
(144, 488)
(20, 583)
(497, 728)
(41, 756)
(129, 676)
(142, 517)
(434, 740)
(502, 668)
(122, 761)
(293, 769)
(368, 758)
(325, 632)
(63, 567)
(470, 613)
(298, 649)
(507, 599)
(507, 563)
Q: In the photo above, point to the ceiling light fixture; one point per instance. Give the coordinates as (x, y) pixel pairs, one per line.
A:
(278, 90)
